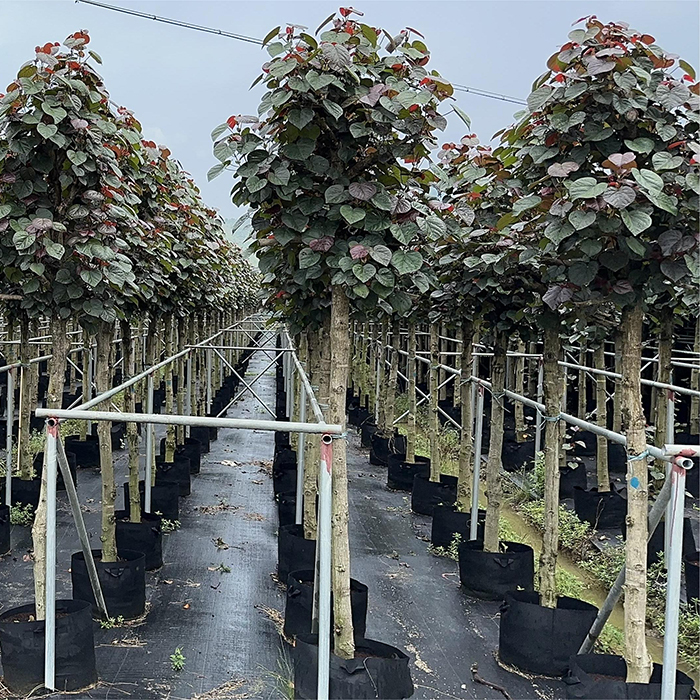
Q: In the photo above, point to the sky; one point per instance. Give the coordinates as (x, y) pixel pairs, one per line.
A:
(181, 83)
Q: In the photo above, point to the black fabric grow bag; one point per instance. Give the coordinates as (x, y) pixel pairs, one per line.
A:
(617, 458)
(5, 527)
(284, 480)
(589, 440)
(448, 522)
(165, 499)
(606, 510)
(692, 577)
(192, 450)
(571, 478)
(382, 446)
(515, 455)
(123, 582)
(281, 440)
(400, 473)
(426, 494)
(87, 452)
(380, 671)
(299, 605)
(366, 431)
(177, 471)
(294, 553)
(490, 575)
(285, 458)
(357, 416)
(23, 492)
(286, 508)
(201, 434)
(538, 639)
(145, 537)
(657, 540)
(72, 467)
(602, 677)
(22, 648)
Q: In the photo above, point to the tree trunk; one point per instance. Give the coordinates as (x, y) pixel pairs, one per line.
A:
(433, 391)
(57, 372)
(663, 375)
(181, 377)
(381, 377)
(694, 427)
(581, 408)
(132, 435)
(170, 439)
(552, 386)
(519, 388)
(466, 446)
(87, 379)
(411, 375)
(617, 414)
(442, 360)
(340, 350)
(494, 492)
(312, 442)
(390, 400)
(636, 654)
(601, 412)
(28, 379)
(109, 489)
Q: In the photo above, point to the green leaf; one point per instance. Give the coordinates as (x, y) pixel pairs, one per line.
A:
(400, 302)
(299, 150)
(364, 273)
(586, 188)
(582, 219)
(76, 157)
(91, 277)
(22, 240)
(5, 209)
(636, 220)
(666, 161)
(525, 203)
(463, 116)
(336, 194)
(640, 145)
(381, 254)
(648, 179)
(382, 201)
(47, 130)
(407, 262)
(582, 274)
(54, 250)
(295, 220)
(333, 108)
(636, 246)
(539, 98)
(358, 130)
(385, 277)
(663, 201)
(308, 258)
(215, 171)
(37, 268)
(687, 68)
(270, 35)
(300, 117)
(218, 131)
(319, 80)
(434, 226)
(361, 290)
(619, 197)
(558, 230)
(352, 214)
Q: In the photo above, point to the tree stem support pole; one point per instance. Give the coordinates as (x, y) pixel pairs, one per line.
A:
(209, 369)
(301, 454)
(538, 415)
(474, 515)
(50, 590)
(325, 483)
(670, 432)
(8, 439)
(148, 473)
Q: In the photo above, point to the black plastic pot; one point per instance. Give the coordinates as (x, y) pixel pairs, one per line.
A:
(571, 478)
(177, 471)
(426, 494)
(123, 582)
(87, 452)
(448, 522)
(366, 431)
(165, 499)
(490, 575)
(400, 473)
(201, 435)
(300, 599)
(146, 537)
(382, 446)
(72, 466)
(192, 450)
(606, 510)
(538, 639)
(5, 527)
(602, 677)
(515, 455)
(378, 671)
(286, 508)
(692, 577)
(22, 648)
(294, 553)
(23, 492)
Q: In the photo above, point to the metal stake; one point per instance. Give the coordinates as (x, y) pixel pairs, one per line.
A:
(301, 442)
(323, 542)
(8, 439)
(538, 413)
(670, 430)
(50, 571)
(148, 473)
(209, 368)
(476, 458)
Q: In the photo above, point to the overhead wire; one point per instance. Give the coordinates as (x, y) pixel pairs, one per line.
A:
(252, 40)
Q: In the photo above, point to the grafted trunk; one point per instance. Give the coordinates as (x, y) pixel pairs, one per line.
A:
(494, 493)
(344, 646)
(601, 412)
(636, 654)
(433, 391)
(28, 380)
(663, 375)
(411, 374)
(169, 397)
(132, 435)
(311, 451)
(519, 387)
(553, 386)
(466, 446)
(581, 407)
(390, 400)
(57, 372)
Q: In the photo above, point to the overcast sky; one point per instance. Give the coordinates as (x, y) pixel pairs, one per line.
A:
(181, 83)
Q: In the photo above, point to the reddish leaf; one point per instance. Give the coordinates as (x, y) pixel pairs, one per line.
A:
(358, 252)
(231, 121)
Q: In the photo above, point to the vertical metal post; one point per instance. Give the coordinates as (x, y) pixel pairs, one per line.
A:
(50, 572)
(188, 394)
(474, 388)
(301, 442)
(209, 368)
(670, 430)
(673, 585)
(323, 542)
(148, 473)
(87, 382)
(476, 458)
(538, 415)
(379, 354)
(8, 439)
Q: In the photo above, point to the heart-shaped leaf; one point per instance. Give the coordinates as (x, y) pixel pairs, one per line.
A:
(381, 254)
(619, 197)
(582, 219)
(407, 262)
(363, 191)
(47, 130)
(636, 220)
(364, 273)
(562, 169)
(352, 214)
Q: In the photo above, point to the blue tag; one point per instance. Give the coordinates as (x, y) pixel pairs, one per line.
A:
(634, 482)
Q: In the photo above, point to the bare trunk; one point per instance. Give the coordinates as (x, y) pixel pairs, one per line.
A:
(519, 387)
(617, 413)
(169, 396)
(57, 371)
(442, 360)
(87, 379)
(151, 343)
(466, 446)
(28, 379)
(132, 435)
(390, 400)
(312, 453)
(601, 412)
(552, 385)
(695, 384)
(433, 391)
(663, 375)
(636, 654)
(340, 350)
(494, 492)
(581, 408)
(181, 377)
(411, 375)
(381, 377)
